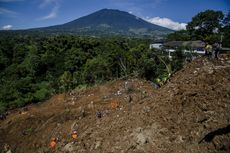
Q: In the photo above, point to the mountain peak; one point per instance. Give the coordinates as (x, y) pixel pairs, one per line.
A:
(109, 22)
(110, 10)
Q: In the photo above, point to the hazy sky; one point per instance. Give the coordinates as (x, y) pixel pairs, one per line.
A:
(22, 14)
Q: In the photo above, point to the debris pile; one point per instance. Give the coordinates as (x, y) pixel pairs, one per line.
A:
(188, 114)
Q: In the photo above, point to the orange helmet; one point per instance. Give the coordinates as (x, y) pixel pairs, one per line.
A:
(75, 132)
(74, 135)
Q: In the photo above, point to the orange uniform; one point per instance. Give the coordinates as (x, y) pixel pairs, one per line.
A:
(114, 104)
(53, 143)
(74, 135)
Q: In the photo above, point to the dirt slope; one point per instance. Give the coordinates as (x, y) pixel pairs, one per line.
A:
(191, 113)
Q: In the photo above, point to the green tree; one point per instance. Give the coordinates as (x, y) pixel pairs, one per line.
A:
(65, 81)
(3, 61)
(181, 35)
(205, 24)
(96, 69)
(42, 91)
(226, 20)
(226, 31)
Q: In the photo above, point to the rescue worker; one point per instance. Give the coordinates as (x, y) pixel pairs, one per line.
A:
(2, 116)
(99, 114)
(53, 143)
(159, 82)
(216, 51)
(208, 50)
(74, 135)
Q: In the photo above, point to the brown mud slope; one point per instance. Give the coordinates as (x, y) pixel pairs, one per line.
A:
(190, 114)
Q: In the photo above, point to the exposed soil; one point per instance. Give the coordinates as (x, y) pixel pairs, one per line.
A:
(190, 114)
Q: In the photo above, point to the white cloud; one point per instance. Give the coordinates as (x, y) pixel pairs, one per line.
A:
(168, 23)
(48, 2)
(55, 8)
(7, 11)
(10, 0)
(52, 14)
(7, 27)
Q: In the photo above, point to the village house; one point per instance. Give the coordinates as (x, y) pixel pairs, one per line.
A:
(197, 46)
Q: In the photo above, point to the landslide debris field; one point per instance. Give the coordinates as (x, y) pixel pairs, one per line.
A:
(189, 114)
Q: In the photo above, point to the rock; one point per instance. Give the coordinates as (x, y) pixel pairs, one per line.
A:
(6, 148)
(179, 139)
(210, 71)
(97, 145)
(25, 109)
(74, 126)
(70, 147)
(155, 86)
(139, 129)
(130, 99)
(83, 113)
(90, 105)
(119, 93)
(217, 143)
(146, 109)
(141, 139)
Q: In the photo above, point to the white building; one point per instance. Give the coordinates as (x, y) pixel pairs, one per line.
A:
(156, 46)
(186, 46)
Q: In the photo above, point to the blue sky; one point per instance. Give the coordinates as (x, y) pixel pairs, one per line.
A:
(23, 14)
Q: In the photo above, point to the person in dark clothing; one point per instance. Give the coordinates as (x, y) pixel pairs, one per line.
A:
(2, 116)
(216, 51)
(99, 114)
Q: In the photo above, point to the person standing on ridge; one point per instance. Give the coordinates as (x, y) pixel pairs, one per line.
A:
(208, 50)
(216, 50)
(53, 143)
(74, 135)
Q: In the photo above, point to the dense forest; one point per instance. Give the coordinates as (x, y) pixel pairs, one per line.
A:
(32, 69)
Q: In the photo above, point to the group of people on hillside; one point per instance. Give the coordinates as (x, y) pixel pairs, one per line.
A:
(54, 140)
(213, 51)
